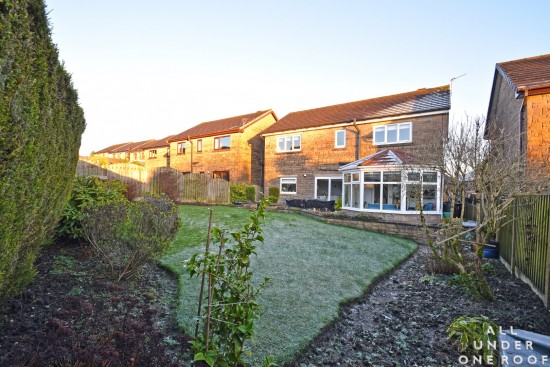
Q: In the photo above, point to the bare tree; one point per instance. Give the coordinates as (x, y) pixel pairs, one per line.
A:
(496, 176)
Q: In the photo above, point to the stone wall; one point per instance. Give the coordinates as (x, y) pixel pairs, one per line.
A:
(411, 229)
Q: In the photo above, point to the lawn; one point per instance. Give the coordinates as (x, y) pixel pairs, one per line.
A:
(313, 266)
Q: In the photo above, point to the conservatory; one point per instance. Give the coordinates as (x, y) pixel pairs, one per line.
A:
(388, 181)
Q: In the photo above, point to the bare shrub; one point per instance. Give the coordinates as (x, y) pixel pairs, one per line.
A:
(127, 235)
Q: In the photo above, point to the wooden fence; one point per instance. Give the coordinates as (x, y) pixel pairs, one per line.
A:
(525, 242)
(182, 188)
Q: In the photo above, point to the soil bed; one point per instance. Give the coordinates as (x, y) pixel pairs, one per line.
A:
(73, 314)
(403, 319)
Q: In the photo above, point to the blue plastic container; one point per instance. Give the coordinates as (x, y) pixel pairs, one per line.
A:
(491, 250)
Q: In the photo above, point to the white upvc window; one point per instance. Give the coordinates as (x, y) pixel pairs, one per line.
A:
(290, 143)
(222, 142)
(328, 188)
(407, 191)
(393, 133)
(288, 185)
(340, 139)
(352, 192)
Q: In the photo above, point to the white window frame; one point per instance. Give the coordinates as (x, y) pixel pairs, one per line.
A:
(291, 138)
(336, 138)
(329, 178)
(218, 142)
(398, 128)
(181, 147)
(404, 181)
(289, 180)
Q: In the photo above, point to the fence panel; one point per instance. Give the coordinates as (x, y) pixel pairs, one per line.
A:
(524, 242)
(182, 188)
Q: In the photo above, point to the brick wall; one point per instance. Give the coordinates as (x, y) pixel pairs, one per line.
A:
(243, 160)
(538, 130)
(319, 157)
(255, 148)
(162, 159)
(209, 159)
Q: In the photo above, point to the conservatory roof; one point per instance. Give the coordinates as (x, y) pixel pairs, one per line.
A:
(386, 157)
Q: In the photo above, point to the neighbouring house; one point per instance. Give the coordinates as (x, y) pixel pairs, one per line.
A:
(519, 109)
(364, 153)
(155, 153)
(230, 148)
(128, 152)
(109, 152)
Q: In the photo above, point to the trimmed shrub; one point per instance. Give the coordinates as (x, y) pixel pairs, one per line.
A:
(88, 191)
(126, 235)
(274, 194)
(41, 125)
(237, 192)
(250, 193)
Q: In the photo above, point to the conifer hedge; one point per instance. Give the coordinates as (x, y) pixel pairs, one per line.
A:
(41, 125)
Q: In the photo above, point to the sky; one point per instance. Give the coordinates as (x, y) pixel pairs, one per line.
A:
(149, 69)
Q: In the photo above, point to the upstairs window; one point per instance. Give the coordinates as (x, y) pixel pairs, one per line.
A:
(181, 147)
(221, 142)
(393, 134)
(199, 145)
(152, 153)
(289, 143)
(340, 139)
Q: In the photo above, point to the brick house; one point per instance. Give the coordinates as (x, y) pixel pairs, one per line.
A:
(519, 109)
(155, 153)
(128, 152)
(230, 148)
(109, 152)
(361, 152)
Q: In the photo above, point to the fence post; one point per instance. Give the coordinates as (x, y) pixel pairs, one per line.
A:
(514, 225)
(547, 279)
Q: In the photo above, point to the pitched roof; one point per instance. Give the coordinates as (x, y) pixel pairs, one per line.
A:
(131, 146)
(156, 143)
(525, 74)
(110, 149)
(391, 157)
(224, 126)
(421, 100)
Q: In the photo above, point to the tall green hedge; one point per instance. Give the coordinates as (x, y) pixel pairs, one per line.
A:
(41, 125)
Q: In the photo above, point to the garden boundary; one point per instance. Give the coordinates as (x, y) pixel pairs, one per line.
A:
(524, 242)
(181, 188)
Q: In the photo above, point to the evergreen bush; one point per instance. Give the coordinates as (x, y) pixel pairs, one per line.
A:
(41, 125)
(237, 192)
(88, 191)
(250, 193)
(274, 194)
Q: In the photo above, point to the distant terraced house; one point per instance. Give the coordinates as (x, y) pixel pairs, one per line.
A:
(124, 152)
(362, 153)
(230, 148)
